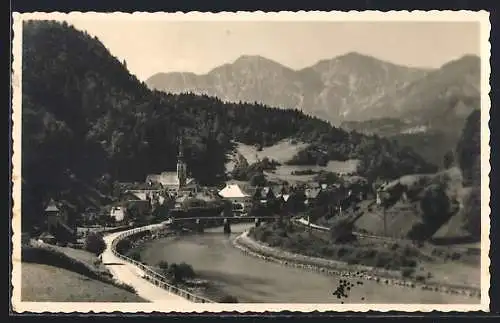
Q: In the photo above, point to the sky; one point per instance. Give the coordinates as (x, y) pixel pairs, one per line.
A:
(155, 46)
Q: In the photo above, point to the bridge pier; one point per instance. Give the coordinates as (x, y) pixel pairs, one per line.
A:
(257, 222)
(227, 226)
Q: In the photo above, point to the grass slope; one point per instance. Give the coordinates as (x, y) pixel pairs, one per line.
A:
(282, 152)
(400, 219)
(43, 283)
(84, 257)
(404, 215)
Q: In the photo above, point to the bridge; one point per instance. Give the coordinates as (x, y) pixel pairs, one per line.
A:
(200, 221)
(224, 218)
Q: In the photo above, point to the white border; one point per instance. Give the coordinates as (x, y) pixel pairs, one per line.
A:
(481, 17)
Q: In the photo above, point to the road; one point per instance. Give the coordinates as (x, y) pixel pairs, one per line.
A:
(129, 274)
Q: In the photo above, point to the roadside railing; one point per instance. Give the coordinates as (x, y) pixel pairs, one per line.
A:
(316, 227)
(151, 275)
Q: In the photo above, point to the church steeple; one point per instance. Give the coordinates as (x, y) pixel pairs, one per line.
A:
(181, 165)
(180, 152)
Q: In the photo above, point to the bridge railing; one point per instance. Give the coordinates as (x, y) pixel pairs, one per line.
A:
(151, 275)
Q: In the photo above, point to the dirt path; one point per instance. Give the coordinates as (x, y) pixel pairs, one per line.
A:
(130, 274)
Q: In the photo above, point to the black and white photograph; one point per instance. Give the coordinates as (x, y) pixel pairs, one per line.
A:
(330, 161)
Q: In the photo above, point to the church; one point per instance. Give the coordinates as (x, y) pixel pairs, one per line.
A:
(178, 181)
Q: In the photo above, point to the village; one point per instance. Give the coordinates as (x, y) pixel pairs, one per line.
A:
(174, 194)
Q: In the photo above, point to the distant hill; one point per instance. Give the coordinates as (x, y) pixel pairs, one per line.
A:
(87, 123)
(429, 114)
(451, 91)
(332, 89)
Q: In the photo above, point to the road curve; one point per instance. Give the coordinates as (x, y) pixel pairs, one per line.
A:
(129, 274)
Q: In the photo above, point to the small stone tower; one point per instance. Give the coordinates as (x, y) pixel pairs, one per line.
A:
(52, 213)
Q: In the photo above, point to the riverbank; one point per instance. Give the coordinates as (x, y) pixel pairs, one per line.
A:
(331, 267)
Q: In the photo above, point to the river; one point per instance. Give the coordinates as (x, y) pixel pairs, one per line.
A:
(252, 280)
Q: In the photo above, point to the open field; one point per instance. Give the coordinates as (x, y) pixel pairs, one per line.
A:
(43, 283)
(283, 152)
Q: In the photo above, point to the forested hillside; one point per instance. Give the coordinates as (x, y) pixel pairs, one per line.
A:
(469, 160)
(86, 119)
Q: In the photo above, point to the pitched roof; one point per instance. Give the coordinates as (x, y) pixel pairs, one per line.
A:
(169, 178)
(52, 207)
(232, 191)
(140, 195)
(283, 196)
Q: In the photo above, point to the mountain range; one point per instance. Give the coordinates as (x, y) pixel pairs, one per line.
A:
(350, 87)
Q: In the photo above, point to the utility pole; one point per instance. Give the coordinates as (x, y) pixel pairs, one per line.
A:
(385, 222)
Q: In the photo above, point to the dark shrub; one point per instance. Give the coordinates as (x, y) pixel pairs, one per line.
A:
(342, 252)
(126, 287)
(163, 265)
(455, 256)
(181, 272)
(381, 260)
(435, 206)
(408, 262)
(407, 272)
(472, 208)
(94, 243)
(186, 270)
(420, 278)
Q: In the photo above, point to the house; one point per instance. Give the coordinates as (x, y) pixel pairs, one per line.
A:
(239, 198)
(118, 213)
